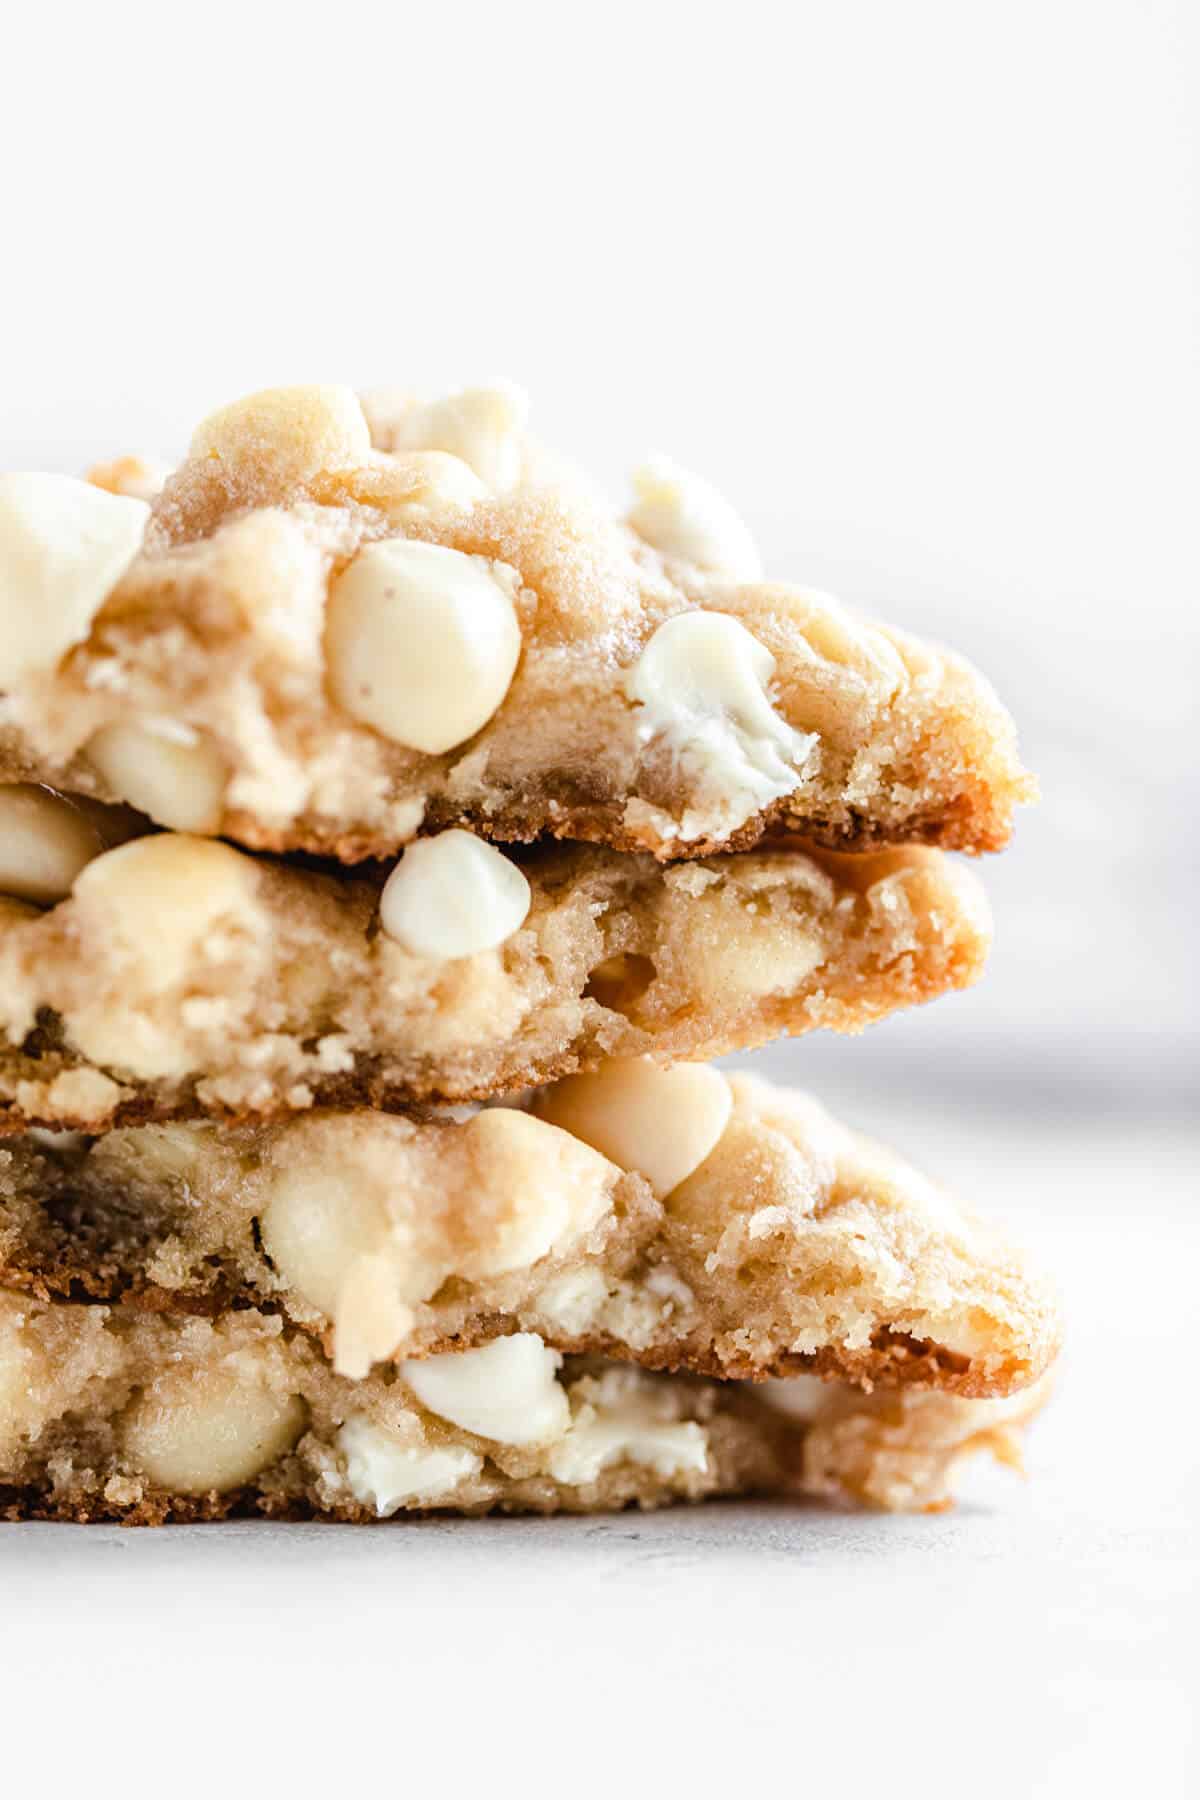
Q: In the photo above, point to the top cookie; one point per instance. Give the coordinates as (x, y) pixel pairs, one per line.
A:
(329, 635)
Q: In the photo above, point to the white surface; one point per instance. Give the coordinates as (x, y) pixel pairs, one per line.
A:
(916, 285)
(1040, 1640)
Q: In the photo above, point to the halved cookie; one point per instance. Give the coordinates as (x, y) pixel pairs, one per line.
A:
(673, 1216)
(180, 976)
(114, 1413)
(330, 646)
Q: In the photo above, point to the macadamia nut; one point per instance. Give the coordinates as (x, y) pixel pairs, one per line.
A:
(196, 1431)
(166, 771)
(659, 1122)
(44, 843)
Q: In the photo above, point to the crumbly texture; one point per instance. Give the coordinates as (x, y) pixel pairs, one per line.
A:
(90, 1396)
(794, 1245)
(189, 978)
(216, 635)
(905, 1451)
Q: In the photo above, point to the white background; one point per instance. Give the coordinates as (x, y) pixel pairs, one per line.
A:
(917, 285)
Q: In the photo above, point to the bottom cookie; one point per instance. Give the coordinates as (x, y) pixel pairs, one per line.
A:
(115, 1413)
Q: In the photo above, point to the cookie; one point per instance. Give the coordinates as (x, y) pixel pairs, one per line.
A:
(113, 1413)
(180, 976)
(676, 1217)
(315, 639)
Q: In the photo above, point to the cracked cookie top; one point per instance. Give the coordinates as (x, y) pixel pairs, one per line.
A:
(332, 629)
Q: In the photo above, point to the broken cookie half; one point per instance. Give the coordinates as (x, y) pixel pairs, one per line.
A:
(116, 1413)
(174, 975)
(676, 1217)
(329, 635)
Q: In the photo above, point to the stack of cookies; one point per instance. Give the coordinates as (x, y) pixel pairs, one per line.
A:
(390, 835)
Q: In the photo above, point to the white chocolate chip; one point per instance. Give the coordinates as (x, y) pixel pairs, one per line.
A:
(384, 1474)
(318, 1225)
(422, 642)
(64, 545)
(453, 895)
(571, 1302)
(660, 1122)
(347, 1222)
(701, 682)
(621, 1422)
(482, 425)
(294, 432)
(441, 480)
(370, 1318)
(506, 1391)
(196, 1431)
(682, 515)
(177, 778)
(44, 843)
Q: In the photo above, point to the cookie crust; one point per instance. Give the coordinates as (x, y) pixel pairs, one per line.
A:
(87, 1374)
(191, 979)
(218, 629)
(794, 1246)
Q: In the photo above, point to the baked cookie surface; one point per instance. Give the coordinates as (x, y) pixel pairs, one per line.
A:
(179, 976)
(330, 634)
(113, 1413)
